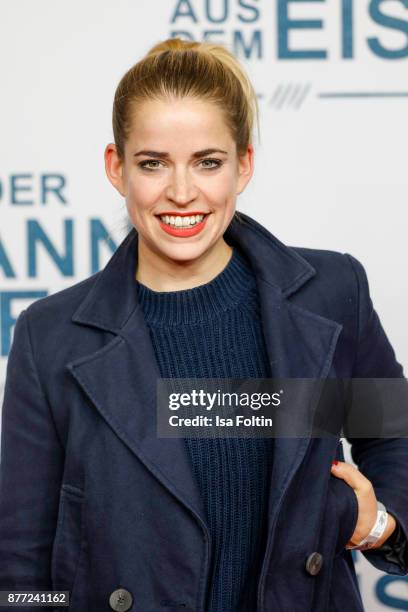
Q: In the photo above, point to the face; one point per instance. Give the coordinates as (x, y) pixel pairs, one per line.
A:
(180, 177)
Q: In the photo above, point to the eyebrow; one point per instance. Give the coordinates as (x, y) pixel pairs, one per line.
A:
(164, 154)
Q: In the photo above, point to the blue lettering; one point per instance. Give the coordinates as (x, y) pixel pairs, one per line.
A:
(210, 17)
(56, 189)
(254, 9)
(65, 263)
(184, 9)
(285, 25)
(254, 48)
(209, 34)
(347, 29)
(388, 22)
(389, 600)
(5, 263)
(15, 188)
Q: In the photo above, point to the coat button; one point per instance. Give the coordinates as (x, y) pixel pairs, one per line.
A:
(120, 600)
(314, 563)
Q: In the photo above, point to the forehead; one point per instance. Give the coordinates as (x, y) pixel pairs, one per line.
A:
(171, 120)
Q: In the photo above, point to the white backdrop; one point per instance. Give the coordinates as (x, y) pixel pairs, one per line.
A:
(331, 76)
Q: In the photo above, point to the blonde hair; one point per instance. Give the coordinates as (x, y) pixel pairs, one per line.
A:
(180, 68)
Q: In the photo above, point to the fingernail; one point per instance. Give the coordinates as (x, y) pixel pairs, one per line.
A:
(335, 462)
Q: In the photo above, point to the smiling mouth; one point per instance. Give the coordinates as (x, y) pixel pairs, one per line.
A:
(182, 220)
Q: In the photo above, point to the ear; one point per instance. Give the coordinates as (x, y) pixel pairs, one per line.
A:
(245, 168)
(114, 168)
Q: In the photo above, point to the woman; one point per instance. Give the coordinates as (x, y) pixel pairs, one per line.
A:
(92, 500)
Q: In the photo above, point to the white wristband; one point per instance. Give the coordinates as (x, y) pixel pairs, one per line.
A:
(377, 531)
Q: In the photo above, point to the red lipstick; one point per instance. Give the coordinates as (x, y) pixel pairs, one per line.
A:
(182, 231)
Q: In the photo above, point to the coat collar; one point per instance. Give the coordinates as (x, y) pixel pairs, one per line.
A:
(121, 378)
(112, 299)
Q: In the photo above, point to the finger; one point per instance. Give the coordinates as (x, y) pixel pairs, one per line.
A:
(351, 475)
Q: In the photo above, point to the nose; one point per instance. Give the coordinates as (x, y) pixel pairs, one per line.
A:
(180, 188)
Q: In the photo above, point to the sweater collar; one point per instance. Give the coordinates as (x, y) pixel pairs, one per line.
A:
(231, 288)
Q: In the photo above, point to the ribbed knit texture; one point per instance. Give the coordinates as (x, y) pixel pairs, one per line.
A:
(214, 331)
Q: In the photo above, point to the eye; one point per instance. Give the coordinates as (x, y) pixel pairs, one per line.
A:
(218, 163)
(144, 163)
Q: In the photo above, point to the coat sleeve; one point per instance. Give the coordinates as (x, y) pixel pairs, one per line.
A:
(30, 472)
(384, 461)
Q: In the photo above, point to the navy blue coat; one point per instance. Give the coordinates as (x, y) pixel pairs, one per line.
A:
(91, 500)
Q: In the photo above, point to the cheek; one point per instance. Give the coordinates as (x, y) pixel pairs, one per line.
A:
(220, 190)
(143, 193)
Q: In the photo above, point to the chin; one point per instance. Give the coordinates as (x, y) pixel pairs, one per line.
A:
(183, 253)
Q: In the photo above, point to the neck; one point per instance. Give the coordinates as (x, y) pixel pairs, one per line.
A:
(164, 274)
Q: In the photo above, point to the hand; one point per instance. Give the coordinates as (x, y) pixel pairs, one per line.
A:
(367, 504)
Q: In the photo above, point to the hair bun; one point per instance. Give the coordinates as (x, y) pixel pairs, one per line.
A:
(172, 44)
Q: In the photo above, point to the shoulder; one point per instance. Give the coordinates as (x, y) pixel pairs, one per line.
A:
(51, 334)
(61, 305)
(325, 260)
(335, 269)
(339, 289)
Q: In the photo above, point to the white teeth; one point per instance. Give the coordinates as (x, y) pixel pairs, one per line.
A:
(178, 221)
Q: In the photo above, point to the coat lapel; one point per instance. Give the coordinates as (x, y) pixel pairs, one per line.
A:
(120, 379)
(300, 343)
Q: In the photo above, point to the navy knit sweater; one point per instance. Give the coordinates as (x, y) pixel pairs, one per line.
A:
(214, 331)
